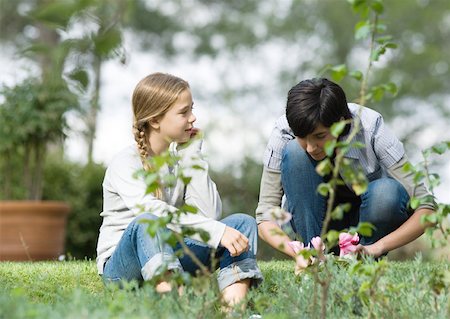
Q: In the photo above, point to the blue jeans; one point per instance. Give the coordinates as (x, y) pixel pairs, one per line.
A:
(384, 204)
(140, 257)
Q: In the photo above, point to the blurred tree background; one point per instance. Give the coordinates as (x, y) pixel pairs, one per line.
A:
(254, 51)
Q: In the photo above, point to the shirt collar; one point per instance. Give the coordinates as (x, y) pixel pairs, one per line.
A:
(353, 152)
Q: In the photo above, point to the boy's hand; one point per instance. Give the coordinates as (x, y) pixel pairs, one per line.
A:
(234, 241)
(372, 250)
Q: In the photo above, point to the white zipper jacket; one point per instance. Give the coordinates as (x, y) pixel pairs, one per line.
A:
(124, 198)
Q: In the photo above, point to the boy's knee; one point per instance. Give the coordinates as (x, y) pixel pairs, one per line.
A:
(387, 200)
(294, 151)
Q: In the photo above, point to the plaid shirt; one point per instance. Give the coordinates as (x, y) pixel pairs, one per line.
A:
(382, 149)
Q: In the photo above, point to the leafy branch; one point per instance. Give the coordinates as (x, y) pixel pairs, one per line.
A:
(156, 178)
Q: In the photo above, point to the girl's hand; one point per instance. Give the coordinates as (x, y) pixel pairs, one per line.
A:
(234, 241)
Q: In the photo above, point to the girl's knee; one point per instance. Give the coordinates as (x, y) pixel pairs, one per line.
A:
(139, 224)
(241, 222)
(145, 216)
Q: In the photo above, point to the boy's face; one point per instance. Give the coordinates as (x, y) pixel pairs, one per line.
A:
(314, 142)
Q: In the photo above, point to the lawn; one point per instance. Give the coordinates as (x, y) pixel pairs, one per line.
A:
(72, 289)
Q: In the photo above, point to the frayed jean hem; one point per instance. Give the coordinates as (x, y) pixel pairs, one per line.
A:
(158, 264)
(238, 271)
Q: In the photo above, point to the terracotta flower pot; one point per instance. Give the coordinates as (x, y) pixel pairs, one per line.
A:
(32, 230)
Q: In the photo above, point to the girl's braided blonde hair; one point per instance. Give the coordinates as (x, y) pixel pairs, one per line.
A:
(152, 98)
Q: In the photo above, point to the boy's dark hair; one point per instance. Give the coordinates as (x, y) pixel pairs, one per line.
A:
(313, 102)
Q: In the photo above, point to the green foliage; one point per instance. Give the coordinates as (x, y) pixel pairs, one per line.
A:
(157, 180)
(74, 290)
(31, 117)
(437, 221)
(81, 187)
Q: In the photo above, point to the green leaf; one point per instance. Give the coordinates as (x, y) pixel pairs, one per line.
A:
(338, 72)
(337, 213)
(81, 77)
(198, 167)
(358, 145)
(151, 188)
(377, 93)
(391, 88)
(414, 203)
(408, 167)
(337, 128)
(383, 39)
(329, 147)
(362, 29)
(365, 229)
(106, 42)
(56, 14)
(332, 237)
(418, 177)
(391, 45)
(323, 189)
(324, 167)
(377, 6)
(189, 209)
(440, 148)
(150, 178)
(357, 75)
(360, 187)
(186, 179)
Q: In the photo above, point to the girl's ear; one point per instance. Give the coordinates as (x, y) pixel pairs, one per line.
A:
(154, 123)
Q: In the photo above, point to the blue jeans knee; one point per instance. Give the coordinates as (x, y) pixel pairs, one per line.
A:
(384, 205)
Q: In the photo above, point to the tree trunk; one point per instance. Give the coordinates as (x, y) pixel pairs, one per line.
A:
(94, 108)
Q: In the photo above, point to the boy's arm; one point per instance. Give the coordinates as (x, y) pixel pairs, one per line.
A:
(406, 233)
(412, 228)
(272, 234)
(270, 196)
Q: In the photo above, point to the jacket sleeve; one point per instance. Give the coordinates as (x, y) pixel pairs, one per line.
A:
(270, 194)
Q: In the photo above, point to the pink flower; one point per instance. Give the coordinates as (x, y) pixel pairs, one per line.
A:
(347, 243)
(298, 246)
(318, 244)
(301, 262)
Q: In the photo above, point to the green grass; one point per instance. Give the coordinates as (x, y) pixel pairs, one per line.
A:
(72, 289)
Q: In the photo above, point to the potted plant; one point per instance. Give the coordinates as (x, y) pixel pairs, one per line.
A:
(31, 119)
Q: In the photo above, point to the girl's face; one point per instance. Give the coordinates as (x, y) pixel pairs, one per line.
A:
(314, 143)
(177, 123)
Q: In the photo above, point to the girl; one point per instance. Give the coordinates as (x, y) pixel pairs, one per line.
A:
(163, 120)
